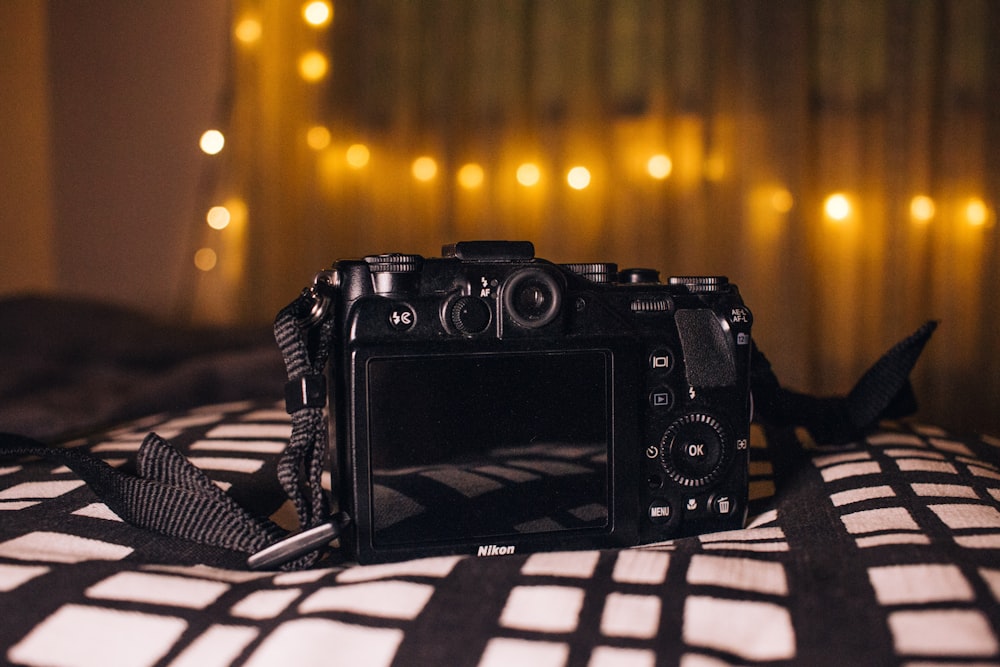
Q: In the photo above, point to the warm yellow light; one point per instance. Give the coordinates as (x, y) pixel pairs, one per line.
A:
(528, 174)
(471, 176)
(578, 178)
(211, 142)
(248, 30)
(205, 259)
(922, 208)
(318, 137)
(715, 168)
(424, 168)
(313, 66)
(357, 156)
(659, 166)
(218, 217)
(837, 207)
(318, 13)
(782, 200)
(976, 212)
(237, 213)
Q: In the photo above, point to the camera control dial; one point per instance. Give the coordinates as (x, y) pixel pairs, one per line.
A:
(469, 315)
(693, 449)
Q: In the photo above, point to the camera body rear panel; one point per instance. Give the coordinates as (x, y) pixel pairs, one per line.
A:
(489, 402)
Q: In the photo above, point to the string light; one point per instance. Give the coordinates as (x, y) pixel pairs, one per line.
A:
(659, 166)
(922, 208)
(318, 137)
(318, 13)
(424, 168)
(205, 259)
(313, 66)
(211, 142)
(782, 200)
(528, 174)
(218, 217)
(837, 207)
(578, 178)
(470, 176)
(357, 156)
(976, 212)
(248, 30)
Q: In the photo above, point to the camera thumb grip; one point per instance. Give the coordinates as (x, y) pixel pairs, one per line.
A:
(298, 544)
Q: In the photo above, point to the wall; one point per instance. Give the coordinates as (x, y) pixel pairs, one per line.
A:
(27, 239)
(104, 110)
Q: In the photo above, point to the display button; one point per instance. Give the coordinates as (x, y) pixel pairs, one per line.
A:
(660, 511)
(661, 361)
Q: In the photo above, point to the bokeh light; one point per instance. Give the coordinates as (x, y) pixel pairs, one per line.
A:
(248, 30)
(528, 174)
(205, 259)
(976, 212)
(578, 177)
(318, 137)
(317, 13)
(424, 168)
(218, 217)
(357, 156)
(837, 207)
(313, 66)
(470, 176)
(922, 208)
(659, 166)
(212, 142)
(782, 200)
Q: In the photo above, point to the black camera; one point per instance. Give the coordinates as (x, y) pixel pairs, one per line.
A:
(489, 402)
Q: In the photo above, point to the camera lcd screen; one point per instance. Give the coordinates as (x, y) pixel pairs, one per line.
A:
(474, 447)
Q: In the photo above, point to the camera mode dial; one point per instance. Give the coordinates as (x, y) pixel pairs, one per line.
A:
(694, 450)
(701, 284)
(394, 273)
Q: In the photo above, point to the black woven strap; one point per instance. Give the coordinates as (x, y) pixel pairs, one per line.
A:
(883, 392)
(304, 340)
(168, 494)
(171, 496)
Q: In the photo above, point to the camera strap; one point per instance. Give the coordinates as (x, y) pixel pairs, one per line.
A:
(169, 495)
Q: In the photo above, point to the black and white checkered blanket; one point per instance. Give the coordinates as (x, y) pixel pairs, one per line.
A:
(886, 551)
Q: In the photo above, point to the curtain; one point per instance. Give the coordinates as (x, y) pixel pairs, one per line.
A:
(838, 160)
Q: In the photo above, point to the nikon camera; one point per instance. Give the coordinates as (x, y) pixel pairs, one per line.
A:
(490, 402)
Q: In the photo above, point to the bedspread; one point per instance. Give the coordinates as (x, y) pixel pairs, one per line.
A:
(884, 551)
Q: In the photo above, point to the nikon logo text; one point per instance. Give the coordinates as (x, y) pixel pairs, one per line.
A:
(495, 550)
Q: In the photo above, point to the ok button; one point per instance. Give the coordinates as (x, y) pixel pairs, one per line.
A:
(695, 446)
(695, 450)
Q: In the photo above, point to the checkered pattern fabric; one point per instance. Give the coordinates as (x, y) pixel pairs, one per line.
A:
(883, 552)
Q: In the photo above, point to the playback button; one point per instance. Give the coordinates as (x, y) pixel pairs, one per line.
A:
(661, 398)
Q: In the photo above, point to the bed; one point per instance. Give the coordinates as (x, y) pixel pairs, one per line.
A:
(885, 550)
